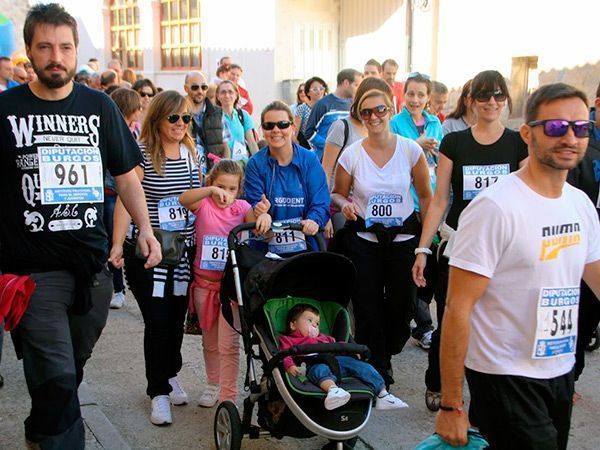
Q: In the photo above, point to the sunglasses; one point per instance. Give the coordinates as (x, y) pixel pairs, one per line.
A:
(558, 127)
(485, 97)
(417, 74)
(174, 118)
(380, 111)
(146, 94)
(282, 125)
(195, 87)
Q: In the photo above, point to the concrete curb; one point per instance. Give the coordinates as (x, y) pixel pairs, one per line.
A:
(105, 433)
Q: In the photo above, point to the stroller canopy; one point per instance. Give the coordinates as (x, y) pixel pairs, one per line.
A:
(321, 276)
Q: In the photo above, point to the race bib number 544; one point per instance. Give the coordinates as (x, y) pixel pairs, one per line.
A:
(70, 175)
(556, 331)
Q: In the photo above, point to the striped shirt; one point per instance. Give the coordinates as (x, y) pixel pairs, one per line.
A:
(162, 192)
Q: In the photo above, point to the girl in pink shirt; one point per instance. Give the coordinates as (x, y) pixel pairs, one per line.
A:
(217, 212)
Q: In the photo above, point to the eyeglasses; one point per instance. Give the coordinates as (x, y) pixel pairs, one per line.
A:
(282, 125)
(417, 74)
(485, 96)
(379, 110)
(317, 89)
(195, 87)
(558, 127)
(174, 118)
(146, 94)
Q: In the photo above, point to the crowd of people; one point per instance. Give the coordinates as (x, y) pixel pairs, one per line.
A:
(428, 205)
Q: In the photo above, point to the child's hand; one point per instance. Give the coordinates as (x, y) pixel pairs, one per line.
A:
(263, 223)
(293, 371)
(309, 227)
(263, 206)
(221, 196)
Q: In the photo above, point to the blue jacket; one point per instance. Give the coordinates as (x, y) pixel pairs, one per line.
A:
(326, 111)
(298, 190)
(403, 125)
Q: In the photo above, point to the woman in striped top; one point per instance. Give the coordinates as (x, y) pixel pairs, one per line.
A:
(169, 168)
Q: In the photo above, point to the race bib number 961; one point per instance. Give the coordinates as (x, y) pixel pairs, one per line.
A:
(70, 175)
(556, 331)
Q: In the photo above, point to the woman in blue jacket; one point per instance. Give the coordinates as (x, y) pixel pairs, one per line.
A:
(288, 181)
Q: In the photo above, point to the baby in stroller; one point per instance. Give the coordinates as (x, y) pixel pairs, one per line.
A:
(303, 328)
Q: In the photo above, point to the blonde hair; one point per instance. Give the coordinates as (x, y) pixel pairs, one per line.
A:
(226, 167)
(164, 104)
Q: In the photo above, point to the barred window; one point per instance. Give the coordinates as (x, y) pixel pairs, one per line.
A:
(180, 34)
(125, 33)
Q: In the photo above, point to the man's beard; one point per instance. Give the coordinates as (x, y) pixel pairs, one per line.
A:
(547, 160)
(54, 81)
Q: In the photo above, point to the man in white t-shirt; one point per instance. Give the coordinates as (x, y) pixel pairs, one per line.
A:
(520, 251)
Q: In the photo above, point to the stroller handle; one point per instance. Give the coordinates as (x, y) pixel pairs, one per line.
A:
(337, 348)
(275, 226)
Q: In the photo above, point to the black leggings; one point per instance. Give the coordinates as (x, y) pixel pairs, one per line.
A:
(589, 315)
(163, 326)
(383, 297)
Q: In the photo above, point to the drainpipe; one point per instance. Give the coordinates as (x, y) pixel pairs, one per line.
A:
(409, 35)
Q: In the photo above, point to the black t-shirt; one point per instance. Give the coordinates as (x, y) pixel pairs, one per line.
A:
(477, 166)
(53, 157)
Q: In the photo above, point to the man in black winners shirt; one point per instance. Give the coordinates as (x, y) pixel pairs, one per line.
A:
(57, 138)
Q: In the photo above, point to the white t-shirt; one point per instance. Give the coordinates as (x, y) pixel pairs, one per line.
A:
(384, 189)
(534, 250)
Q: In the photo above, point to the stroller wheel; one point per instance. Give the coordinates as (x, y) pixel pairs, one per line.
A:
(228, 427)
(594, 341)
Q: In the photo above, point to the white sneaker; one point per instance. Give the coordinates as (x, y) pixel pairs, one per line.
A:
(210, 396)
(389, 401)
(336, 397)
(118, 300)
(178, 396)
(161, 411)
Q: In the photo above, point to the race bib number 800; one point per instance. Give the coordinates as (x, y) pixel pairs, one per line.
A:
(556, 331)
(70, 175)
(384, 209)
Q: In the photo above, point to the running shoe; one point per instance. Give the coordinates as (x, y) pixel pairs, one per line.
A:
(389, 401)
(178, 396)
(161, 411)
(118, 300)
(425, 341)
(433, 400)
(210, 396)
(336, 397)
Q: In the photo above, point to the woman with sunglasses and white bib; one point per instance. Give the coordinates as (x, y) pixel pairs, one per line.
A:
(169, 168)
(381, 229)
(469, 161)
(238, 128)
(287, 181)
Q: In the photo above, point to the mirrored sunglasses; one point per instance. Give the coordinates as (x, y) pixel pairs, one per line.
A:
(558, 127)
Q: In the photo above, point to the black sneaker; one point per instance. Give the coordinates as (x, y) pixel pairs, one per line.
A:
(1, 381)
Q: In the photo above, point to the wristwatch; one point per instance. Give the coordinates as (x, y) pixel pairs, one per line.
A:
(425, 250)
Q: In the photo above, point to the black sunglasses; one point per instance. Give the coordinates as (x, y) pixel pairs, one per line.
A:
(282, 125)
(485, 96)
(195, 87)
(379, 111)
(173, 118)
(145, 94)
(558, 127)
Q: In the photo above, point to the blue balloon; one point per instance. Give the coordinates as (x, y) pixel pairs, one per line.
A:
(7, 36)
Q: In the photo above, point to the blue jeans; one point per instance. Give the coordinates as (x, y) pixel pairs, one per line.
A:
(349, 367)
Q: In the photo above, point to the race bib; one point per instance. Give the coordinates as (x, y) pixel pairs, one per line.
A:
(214, 253)
(477, 178)
(288, 241)
(384, 209)
(239, 152)
(556, 331)
(70, 175)
(171, 215)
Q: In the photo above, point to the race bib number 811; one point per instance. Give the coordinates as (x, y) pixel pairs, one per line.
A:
(70, 175)
(556, 331)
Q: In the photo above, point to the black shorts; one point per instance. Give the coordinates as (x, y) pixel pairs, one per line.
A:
(515, 412)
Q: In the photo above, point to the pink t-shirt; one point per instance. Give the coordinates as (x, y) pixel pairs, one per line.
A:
(213, 225)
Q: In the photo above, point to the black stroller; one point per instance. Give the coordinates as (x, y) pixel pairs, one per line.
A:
(266, 287)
